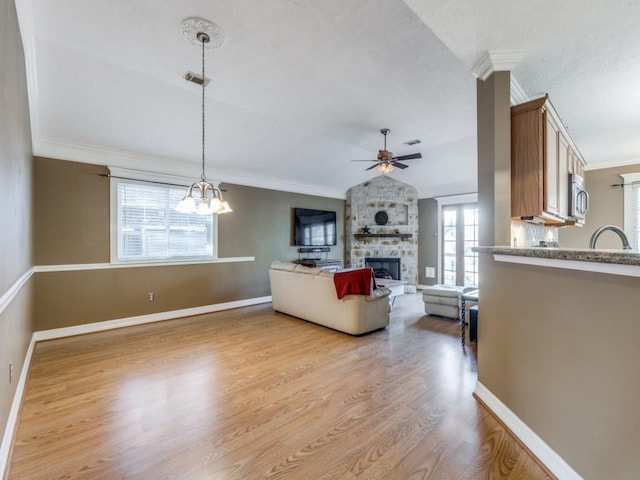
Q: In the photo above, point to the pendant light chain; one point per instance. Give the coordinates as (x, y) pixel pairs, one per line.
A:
(203, 197)
(203, 39)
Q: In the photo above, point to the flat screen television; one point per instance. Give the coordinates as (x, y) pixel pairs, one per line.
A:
(314, 228)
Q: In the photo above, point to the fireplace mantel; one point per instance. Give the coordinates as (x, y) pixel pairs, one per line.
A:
(401, 236)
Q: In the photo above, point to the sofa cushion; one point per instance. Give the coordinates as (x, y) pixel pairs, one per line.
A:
(439, 290)
(378, 293)
(440, 300)
(307, 270)
(278, 265)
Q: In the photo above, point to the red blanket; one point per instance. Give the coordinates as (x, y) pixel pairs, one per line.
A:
(353, 282)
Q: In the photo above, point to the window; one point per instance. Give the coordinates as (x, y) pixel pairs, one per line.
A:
(459, 236)
(146, 227)
(631, 227)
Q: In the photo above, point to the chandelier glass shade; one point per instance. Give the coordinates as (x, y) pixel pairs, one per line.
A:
(208, 203)
(203, 197)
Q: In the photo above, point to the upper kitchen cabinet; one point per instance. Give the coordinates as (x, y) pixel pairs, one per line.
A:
(542, 156)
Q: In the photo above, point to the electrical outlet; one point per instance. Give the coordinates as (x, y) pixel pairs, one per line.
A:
(10, 372)
(152, 296)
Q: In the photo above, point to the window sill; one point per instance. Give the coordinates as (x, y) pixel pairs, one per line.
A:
(105, 266)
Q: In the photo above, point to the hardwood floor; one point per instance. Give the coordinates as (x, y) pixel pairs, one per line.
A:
(248, 394)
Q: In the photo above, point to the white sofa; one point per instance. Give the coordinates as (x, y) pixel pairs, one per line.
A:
(310, 294)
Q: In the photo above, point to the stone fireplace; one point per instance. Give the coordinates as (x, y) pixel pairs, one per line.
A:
(381, 223)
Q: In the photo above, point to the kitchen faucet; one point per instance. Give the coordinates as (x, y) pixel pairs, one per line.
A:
(614, 229)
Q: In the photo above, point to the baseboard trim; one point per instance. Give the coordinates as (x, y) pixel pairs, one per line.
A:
(12, 420)
(543, 452)
(142, 319)
(7, 439)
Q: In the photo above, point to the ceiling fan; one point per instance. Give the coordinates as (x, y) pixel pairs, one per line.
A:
(386, 161)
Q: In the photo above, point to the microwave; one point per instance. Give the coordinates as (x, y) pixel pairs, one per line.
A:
(578, 197)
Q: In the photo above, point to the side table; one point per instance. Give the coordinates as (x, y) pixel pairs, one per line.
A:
(471, 296)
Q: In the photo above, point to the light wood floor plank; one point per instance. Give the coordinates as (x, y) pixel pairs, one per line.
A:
(252, 394)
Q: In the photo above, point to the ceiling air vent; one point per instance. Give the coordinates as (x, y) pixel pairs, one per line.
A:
(412, 142)
(197, 79)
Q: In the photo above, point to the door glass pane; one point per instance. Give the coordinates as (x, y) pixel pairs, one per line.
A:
(449, 217)
(449, 278)
(450, 233)
(470, 241)
(459, 237)
(449, 248)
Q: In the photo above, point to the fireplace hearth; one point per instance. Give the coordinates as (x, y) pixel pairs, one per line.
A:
(388, 268)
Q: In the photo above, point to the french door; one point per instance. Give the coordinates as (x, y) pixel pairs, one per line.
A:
(459, 236)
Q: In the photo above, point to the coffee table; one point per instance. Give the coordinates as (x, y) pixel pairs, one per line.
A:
(471, 296)
(396, 287)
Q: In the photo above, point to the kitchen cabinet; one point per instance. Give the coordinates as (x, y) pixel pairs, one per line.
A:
(542, 156)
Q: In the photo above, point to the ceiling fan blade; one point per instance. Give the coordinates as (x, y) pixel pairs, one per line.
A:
(408, 157)
(400, 165)
(372, 166)
(365, 160)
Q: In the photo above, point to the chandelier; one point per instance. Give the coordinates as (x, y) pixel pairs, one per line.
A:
(209, 197)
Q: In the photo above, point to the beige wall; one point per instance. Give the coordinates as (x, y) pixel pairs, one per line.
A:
(72, 227)
(559, 348)
(606, 208)
(15, 207)
(71, 212)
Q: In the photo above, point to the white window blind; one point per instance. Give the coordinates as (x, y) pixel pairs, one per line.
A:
(631, 182)
(148, 229)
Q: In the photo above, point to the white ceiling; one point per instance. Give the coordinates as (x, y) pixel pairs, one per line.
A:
(301, 87)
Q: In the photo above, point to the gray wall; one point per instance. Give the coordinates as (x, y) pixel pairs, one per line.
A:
(72, 226)
(557, 347)
(494, 159)
(606, 208)
(15, 207)
(428, 238)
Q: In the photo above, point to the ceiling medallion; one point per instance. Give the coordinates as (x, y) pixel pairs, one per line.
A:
(194, 25)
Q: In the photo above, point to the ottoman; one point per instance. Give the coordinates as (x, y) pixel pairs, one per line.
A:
(442, 300)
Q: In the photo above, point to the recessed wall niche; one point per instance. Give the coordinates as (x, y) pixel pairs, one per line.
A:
(397, 213)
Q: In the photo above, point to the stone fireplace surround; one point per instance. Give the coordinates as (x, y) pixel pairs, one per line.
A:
(400, 203)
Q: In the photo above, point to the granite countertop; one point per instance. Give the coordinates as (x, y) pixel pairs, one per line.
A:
(617, 257)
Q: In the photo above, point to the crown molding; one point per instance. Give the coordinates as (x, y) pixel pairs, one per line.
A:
(496, 62)
(613, 164)
(518, 94)
(95, 155)
(24, 10)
